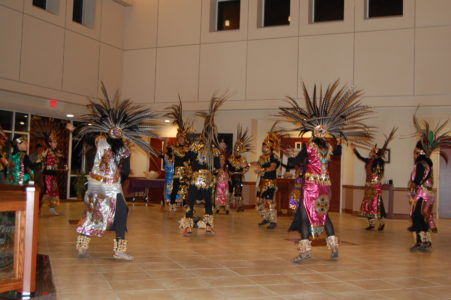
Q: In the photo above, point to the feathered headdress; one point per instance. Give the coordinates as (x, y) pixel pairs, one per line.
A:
(243, 141)
(430, 139)
(2, 133)
(46, 128)
(337, 113)
(272, 139)
(209, 133)
(176, 114)
(119, 120)
(381, 151)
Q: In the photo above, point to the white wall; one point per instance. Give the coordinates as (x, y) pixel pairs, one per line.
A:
(399, 62)
(157, 49)
(47, 55)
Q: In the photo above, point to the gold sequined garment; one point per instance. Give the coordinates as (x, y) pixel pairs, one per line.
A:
(266, 184)
(202, 179)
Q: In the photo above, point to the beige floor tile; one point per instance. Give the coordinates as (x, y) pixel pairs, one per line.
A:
(272, 279)
(143, 284)
(212, 272)
(188, 294)
(243, 261)
(169, 274)
(374, 284)
(229, 281)
(292, 289)
(114, 276)
(146, 295)
(335, 286)
(443, 292)
(184, 283)
(411, 294)
(245, 291)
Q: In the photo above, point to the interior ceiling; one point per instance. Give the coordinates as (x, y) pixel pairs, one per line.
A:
(38, 105)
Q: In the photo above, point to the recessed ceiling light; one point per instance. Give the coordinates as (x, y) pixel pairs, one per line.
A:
(22, 123)
(167, 121)
(89, 124)
(69, 115)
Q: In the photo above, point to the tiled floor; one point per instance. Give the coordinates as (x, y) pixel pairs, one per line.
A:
(243, 261)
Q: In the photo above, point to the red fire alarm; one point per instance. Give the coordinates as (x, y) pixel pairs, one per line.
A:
(52, 102)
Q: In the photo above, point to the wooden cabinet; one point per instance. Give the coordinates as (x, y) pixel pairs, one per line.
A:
(284, 188)
(18, 238)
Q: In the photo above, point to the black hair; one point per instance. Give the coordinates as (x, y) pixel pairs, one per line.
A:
(116, 144)
(320, 142)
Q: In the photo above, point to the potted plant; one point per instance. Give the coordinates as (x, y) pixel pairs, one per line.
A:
(81, 186)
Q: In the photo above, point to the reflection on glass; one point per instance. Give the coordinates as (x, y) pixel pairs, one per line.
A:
(6, 119)
(21, 122)
(7, 234)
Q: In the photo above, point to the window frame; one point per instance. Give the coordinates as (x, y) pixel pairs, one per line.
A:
(216, 15)
(367, 12)
(262, 4)
(312, 14)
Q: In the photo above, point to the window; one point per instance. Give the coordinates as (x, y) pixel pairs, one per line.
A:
(77, 14)
(6, 119)
(84, 12)
(276, 12)
(327, 10)
(228, 15)
(40, 3)
(48, 5)
(21, 122)
(384, 8)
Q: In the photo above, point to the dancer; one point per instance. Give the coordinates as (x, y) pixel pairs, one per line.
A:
(203, 158)
(177, 154)
(421, 181)
(168, 164)
(3, 157)
(266, 168)
(106, 209)
(237, 166)
(335, 114)
(222, 183)
(299, 170)
(20, 167)
(372, 204)
(49, 130)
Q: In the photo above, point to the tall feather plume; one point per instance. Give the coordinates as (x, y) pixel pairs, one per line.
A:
(176, 114)
(243, 140)
(432, 139)
(388, 140)
(339, 110)
(2, 133)
(210, 131)
(134, 121)
(46, 128)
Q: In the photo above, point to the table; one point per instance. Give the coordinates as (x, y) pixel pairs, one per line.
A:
(152, 190)
(284, 188)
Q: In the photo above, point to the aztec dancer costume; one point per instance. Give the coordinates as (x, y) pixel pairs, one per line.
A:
(267, 169)
(106, 209)
(177, 155)
(20, 167)
(3, 157)
(49, 131)
(203, 157)
(421, 181)
(222, 184)
(237, 166)
(336, 114)
(372, 206)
